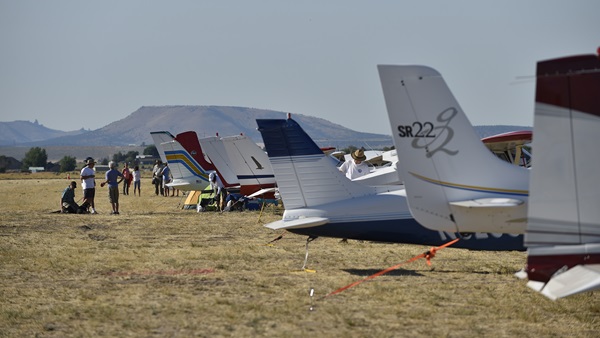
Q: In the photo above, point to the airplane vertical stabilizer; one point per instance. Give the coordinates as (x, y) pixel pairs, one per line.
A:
(305, 175)
(160, 137)
(187, 173)
(563, 229)
(215, 150)
(250, 163)
(189, 141)
(453, 182)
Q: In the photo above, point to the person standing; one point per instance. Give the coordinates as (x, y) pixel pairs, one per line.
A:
(356, 167)
(127, 178)
(166, 178)
(137, 180)
(88, 183)
(113, 186)
(157, 177)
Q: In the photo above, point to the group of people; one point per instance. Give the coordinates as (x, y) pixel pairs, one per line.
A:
(161, 176)
(113, 178)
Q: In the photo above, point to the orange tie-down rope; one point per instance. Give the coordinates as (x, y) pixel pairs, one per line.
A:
(427, 255)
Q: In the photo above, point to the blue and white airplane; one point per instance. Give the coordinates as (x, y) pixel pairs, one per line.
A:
(320, 201)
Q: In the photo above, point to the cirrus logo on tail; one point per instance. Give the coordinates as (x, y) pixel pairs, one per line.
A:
(432, 137)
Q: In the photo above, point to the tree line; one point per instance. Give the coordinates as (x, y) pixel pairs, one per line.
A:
(37, 157)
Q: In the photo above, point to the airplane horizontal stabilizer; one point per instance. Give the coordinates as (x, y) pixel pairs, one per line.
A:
(578, 279)
(489, 203)
(298, 223)
(503, 215)
(262, 192)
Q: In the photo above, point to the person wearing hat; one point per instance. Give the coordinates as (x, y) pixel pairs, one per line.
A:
(88, 183)
(67, 200)
(357, 167)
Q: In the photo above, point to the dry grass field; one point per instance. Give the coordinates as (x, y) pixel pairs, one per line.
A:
(159, 271)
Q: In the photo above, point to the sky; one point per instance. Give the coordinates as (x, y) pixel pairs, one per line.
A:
(84, 64)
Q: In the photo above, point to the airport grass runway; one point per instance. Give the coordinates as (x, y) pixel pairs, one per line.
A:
(159, 271)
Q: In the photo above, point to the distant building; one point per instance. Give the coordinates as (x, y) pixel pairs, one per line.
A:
(146, 159)
(36, 169)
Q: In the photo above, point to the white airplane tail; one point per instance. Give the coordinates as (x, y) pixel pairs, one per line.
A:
(306, 177)
(160, 137)
(563, 230)
(215, 150)
(250, 164)
(187, 173)
(452, 180)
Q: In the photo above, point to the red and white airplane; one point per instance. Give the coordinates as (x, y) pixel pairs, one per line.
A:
(454, 184)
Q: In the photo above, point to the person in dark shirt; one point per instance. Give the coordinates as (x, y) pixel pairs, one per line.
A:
(67, 200)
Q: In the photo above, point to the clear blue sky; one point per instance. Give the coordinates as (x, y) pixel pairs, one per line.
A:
(74, 64)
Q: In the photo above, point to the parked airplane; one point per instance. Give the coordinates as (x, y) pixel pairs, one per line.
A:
(511, 147)
(453, 181)
(187, 173)
(239, 159)
(563, 229)
(242, 166)
(321, 201)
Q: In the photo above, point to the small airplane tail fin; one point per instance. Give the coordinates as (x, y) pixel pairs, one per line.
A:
(305, 175)
(214, 149)
(183, 165)
(447, 170)
(563, 230)
(160, 137)
(250, 163)
(189, 140)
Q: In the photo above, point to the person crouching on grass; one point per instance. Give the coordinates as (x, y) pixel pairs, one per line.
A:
(113, 186)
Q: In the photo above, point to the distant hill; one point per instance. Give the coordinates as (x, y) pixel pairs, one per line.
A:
(134, 130)
(207, 121)
(19, 132)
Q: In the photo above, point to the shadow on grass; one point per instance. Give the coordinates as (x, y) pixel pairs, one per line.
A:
(369, 272)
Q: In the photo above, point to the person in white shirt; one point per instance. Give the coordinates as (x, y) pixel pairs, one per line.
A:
(137, 179)
(218, 189)
(88, 183)
(356, 167)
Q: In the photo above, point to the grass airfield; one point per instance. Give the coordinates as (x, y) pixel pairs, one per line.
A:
(156, 270)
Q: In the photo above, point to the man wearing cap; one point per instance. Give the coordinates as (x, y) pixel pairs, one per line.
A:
(67, 200)
(357, 167)
(88, 183)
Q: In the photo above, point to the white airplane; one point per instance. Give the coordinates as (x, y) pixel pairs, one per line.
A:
(320, 201)
(453, 181)
(187, 173)
(562, 216)
(239, 159)
(563, 230)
